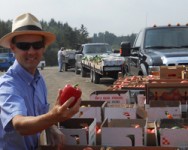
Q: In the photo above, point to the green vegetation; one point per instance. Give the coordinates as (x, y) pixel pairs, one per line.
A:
(70, 38)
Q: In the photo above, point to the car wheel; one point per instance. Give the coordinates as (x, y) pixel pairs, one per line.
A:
(91, 76)
(83, 72)
(65, 67)
(42, 67)
(96, 78)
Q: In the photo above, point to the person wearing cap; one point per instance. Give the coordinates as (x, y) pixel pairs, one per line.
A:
(60, 58)
(24, 110)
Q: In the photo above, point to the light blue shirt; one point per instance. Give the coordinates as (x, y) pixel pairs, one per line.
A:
(20, 94)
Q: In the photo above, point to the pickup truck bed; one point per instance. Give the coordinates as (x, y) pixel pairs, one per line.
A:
(98, 60)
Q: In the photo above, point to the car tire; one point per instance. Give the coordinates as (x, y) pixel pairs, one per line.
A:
(96, 78)
(65, 66)
(91, 76)
(83, 72)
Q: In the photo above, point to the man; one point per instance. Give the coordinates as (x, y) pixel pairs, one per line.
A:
(24, 110)
(60, 59)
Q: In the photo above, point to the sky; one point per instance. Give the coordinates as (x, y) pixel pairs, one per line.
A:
(120, 17)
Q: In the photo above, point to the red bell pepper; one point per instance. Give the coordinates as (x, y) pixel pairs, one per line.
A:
(70, 91)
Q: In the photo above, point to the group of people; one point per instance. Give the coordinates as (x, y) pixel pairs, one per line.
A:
(60, 57)
(24, 108)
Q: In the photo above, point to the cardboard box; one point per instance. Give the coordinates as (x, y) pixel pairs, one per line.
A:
(184, 74)
(92, 109)
(120, 111)
(150, 134)
(79, 131)
(111, 97)
(171, 72)
(71, 147)
(142, 148)
(141, 100)
(157, 110)
(173, 132)
(167, 92)
(123, 132)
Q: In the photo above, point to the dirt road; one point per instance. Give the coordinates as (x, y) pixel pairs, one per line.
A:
(56, 80)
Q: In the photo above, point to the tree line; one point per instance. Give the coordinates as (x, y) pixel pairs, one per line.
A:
(70, 38)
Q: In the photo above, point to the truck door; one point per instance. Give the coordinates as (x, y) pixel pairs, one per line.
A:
(134, 59)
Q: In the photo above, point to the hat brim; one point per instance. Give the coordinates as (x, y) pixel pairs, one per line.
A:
(49, 37)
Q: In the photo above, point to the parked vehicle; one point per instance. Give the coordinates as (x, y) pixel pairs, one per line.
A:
(154, 47)
(68, 59)
(98, 60)
(42, 64)
(6, 60)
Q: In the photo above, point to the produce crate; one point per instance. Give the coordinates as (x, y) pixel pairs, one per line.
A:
(168, 92)
(92, 109)
(142, 148)
(111, 97)
(79, 131)
(150, 134)
(157, 110)
(184, 74)
(71, 147)
(120, 111)
(172, 132)
(123, 132)
(171, 72)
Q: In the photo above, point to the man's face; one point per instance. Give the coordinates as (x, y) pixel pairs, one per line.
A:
(28, 56)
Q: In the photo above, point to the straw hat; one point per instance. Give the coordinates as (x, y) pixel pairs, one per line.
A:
(26, 24)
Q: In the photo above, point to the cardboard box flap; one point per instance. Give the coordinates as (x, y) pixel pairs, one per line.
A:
(93, 103)
(172, 67)
(142, 148)
(108, 92)
(141, 113)
(123, 106)
(76, 123)
(169, 123)
(127, 123)
(161, 103)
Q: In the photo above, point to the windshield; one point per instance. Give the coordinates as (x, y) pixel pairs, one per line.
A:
(166, 38)
(91, 49)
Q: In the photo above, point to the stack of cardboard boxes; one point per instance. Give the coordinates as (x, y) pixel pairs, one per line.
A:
(155, 119)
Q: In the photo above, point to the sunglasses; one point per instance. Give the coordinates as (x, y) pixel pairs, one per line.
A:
(25, 46)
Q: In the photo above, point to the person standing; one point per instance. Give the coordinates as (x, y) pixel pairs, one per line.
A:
(24, 109)
(60, 58)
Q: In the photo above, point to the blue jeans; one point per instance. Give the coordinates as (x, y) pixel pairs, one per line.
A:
(60, 63)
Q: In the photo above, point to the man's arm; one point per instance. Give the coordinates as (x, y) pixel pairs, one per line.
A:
(27, 125)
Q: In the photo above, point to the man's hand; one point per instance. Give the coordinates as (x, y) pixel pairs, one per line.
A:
(55, 137)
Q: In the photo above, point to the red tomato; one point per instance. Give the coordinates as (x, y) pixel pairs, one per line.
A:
(70, 91)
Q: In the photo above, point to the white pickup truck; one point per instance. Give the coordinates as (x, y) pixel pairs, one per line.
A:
(99, 61)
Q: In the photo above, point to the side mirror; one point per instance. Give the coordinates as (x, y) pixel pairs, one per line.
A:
(125, 49)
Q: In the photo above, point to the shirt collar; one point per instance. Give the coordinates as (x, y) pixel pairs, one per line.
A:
(25, 75)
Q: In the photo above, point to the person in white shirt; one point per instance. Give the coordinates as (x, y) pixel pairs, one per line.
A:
(60, 59)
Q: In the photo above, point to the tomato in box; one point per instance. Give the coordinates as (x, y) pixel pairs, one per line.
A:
(70, 91)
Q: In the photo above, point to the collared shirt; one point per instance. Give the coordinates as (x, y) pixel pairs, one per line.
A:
(59, 55)
(20, 94)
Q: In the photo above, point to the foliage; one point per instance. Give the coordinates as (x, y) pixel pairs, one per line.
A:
(69, 37)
